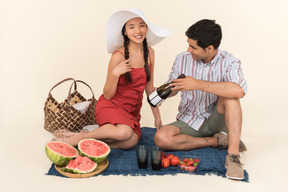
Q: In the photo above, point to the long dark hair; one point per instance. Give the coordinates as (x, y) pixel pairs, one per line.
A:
(126, 53)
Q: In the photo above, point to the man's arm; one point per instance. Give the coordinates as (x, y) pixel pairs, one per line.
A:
(223, 89)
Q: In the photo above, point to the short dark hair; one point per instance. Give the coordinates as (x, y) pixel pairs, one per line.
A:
(206, 32)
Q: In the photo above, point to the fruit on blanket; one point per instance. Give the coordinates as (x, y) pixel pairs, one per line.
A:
(182, 165)
(196, 160)
(174, 161)
(190, 162)
(80, 165)
(94, 149)
(84, 165)
(169, 156)
(76, 162)
(68, 167)
(60, 153)
(185, 160)
(163, 155)
(189, 165)
(165, 162)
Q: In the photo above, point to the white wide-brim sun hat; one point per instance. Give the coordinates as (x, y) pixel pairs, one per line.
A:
(114, 38)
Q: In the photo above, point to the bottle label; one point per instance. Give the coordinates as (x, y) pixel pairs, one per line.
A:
(155, 99)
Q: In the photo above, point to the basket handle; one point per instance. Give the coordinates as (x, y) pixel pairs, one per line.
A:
(64, 80)
(74, 83)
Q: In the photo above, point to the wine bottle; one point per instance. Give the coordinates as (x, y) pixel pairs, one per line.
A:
(161, 93)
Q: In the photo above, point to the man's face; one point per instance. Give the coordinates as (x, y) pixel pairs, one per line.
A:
(198, 53)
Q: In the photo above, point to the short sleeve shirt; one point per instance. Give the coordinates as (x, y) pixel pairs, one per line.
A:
(196, 106)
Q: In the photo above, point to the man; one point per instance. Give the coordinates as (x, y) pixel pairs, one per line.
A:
(210, 98)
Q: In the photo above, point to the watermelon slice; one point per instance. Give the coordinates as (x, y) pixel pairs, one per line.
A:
(80, 165)
(60, 153)
(68, 167)
(94, 149)
(85, 165)
(76, 162)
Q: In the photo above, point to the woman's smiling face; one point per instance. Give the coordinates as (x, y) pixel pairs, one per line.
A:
(136, 30)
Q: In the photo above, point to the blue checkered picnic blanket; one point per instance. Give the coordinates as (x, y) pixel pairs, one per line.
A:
(124, 162)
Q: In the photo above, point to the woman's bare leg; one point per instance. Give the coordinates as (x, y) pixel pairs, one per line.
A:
(66, 133)
(124, 144)
(120, 135)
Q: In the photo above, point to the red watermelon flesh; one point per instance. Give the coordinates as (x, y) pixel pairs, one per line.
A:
(62, 149)
(76, 162)
(80, 165)
(69, 166)
(85, 165)
(94, 149)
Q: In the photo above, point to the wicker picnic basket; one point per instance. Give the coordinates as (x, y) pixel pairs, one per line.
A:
(63, 115)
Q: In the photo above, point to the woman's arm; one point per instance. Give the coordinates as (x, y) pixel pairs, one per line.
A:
(223, 89)
(150, 88)
(117, 66)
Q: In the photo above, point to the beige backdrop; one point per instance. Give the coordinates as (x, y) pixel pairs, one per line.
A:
(45, 41)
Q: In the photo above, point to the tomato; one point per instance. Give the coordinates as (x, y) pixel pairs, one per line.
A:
(165, 162)
(169, 156)
(174, 161)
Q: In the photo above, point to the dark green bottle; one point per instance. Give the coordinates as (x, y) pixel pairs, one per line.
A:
(161, 93)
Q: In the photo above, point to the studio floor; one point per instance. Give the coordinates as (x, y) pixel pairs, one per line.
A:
(24, 166)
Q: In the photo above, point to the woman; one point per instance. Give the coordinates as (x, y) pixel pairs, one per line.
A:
(130, 72)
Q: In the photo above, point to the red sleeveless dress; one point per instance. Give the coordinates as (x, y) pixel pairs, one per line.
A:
(124, 107)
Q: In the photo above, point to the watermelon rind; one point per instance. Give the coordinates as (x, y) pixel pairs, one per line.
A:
(68, 167)
(57, 158)
(81, 172)
(96, 159)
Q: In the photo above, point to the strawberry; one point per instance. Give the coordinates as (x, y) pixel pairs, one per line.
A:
(174, 161)
(185, 160)
(182, 166)
(165, 162)
(190, 163)
(197, 160)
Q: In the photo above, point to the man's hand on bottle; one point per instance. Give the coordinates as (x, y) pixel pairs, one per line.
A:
(185, 84)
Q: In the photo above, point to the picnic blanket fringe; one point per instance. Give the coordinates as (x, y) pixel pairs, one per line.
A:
(52, 171)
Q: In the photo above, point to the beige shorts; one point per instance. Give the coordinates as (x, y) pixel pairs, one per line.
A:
(214, 124)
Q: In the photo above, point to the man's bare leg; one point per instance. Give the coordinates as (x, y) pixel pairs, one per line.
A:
(233, 121)
(169, 138)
